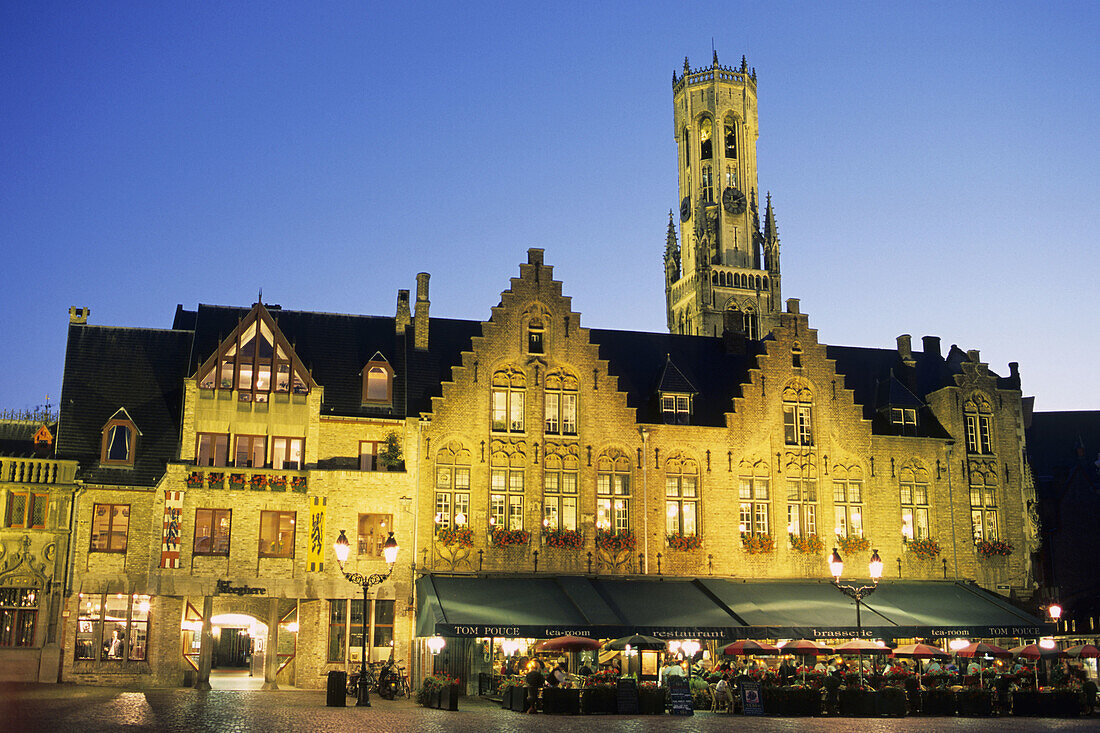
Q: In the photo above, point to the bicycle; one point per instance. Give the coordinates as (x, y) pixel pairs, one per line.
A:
(403, 686)
(371, 682)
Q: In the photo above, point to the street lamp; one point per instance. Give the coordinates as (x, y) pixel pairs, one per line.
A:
(389, 550)
(856, 593)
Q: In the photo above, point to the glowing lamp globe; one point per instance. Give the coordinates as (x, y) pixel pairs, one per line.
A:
(1055, 611)
(389, 549)
(875, 566)
(836, 565)
(342, 548)
(436, 644)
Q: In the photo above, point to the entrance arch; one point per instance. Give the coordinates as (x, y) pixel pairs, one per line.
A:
(240, 645)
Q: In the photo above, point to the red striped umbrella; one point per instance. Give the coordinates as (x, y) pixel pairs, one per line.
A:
(805, 648)
(920, 651)
(981, 649)
(748, 646)
(1034, 651)
(1083, 651)
(568, 643)
(860, 646)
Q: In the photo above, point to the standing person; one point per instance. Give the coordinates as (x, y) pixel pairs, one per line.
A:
(1088, 687)
(786, 672)
(535, 680)
(832, 692)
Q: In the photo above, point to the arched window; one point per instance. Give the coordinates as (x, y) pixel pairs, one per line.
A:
(559, 491)
(561, 403)
(731, 138)
(508, 392)
(765, 282)
(681, 496)
(979, 425)
(119, 440)
(613, 492)
(798, 416)
(755, 499)
(687, 149)
(913, 482)
(715, 278)
(848, 501)
(796, 355)
(452, 486)
(706, 144)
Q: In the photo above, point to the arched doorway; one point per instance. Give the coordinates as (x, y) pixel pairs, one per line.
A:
(239, 649)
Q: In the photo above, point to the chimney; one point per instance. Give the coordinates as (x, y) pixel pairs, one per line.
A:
(931, 345)
(402, 320)
(420, 315)
(792, 305)
(973, 355)
(534, 256)
(905, 349)
(78, 316)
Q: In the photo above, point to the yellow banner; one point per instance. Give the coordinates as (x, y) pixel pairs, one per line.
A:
(316, 559)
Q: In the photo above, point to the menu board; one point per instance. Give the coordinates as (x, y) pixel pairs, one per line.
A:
(627, 696)
(751, 701)
(680, 695)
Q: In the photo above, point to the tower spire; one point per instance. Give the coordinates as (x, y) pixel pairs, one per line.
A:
(770, 234)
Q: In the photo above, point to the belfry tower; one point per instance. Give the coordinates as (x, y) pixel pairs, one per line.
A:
(723, 274)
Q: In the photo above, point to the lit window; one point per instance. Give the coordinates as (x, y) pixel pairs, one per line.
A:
(681, 497)
(26, 510)
(212, 449)
(731, 141)
(798, 424)
(114, 624)
(110, 524)
(708, 184)
(613, 492)
(286, 453)
(914, 503)
(212, 531)
(18, 616)
(255, 362)
(675, 408)
(368, 455)
(251, 451)
(560, 410)
(508, 392)
(706, 144)
(754, 505)
(505, 496)
(452, 487)
(801, 506)
(979, 425)
(374, 529)
(848, 501)
(983, 506)
(904, 420)
(277, 534)
(559, 489)
(377, 381)
(337, 630)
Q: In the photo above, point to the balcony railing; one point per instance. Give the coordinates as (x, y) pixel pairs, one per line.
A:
(36, 470)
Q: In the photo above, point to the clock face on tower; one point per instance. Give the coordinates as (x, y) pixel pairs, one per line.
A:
(733, 200)
(685, 209)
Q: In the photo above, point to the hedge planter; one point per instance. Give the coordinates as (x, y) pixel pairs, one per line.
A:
(1051, 704)
(937, 701)
(975, 702)
(598, 700)
(559, 701)
(443, 698)
(652, 700)
(796, 701)
(514, 698)
(890, 701)
(858, 703)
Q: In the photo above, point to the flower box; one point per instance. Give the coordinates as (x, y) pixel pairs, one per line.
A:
(925, 549)
(277, 483)
(993, 548)
(509, 537)
(567, 538)
(439, 692)
(608, 540)
(853, 544)
(236, 480)
(808, 545)
(298, 484)
(258, 482)
(216, 480)
(890, 701)
(858, 703)
(195, 480)
(684, 541)
(460, 536)
(514, 697)
(652, 699)
(757, 544)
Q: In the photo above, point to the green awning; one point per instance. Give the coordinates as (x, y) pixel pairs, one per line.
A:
(714, 608)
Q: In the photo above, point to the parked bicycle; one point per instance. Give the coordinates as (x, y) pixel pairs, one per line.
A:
(371, 681)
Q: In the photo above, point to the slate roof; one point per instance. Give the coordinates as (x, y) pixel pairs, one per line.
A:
(17, 437)
(139, 369)
(1053, 439)
(143, 370)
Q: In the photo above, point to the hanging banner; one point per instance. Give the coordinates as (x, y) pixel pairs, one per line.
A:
(170, 539)
(316, 559)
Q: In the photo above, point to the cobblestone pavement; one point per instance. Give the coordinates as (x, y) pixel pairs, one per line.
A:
(57, 708)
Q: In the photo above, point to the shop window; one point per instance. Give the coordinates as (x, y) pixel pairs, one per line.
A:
(212, 528)
(675, 408)
(251, 451)
(508, 393)
(286, 453)
(212, 449)
(801, 507)
(378, 381)
(119, 440)
(914, 503)
(374, 529)
(114, 624)
(506, 498)
(613, 492)
(379, 628)
(26, 510)
(848, 502)
(681, 497)
(18, 616)
(561, 403)
(755, 505)
(452, 487)
(110, 524)
(276, 534)
(559, 492)
(383, 622)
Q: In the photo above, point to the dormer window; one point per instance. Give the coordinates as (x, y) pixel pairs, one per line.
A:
(904, 420)
(119, 440)
(536, 337)
(676, 409)
(377, 381)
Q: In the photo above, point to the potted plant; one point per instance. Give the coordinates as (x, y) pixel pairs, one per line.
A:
(807, 545)
(460, 536)
(598, 695)
(500, 537)
(852, 544)
(194, 479)
(298, 484)
(681, 541)
(564, 538)
(277, 483)
(652, 699)
(974, 701)
(390, 456)
(216, 480)
(757, 544)
(614, 541)
(258, 482)
(925, 548)
(993, 548)
(236, 480)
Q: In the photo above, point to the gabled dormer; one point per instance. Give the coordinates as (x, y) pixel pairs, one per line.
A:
(900, 408)
(118, 444)
(676, 393)
(377, 377)
(255, 360)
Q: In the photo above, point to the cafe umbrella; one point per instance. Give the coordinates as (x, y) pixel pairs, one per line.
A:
(1082, 651)
(568, 643)
(805, 648)
(981, 649)
(860, 647)
(748, 646)
(919, 652)
(1035, 652)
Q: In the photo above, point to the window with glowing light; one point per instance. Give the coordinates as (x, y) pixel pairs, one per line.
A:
(18, 616)
(374, 530)
(801, 504)
(559, 491)
(560, 397)
(706, 143)
(26, 510)
(505, 496)
(255, 363)
(212, 528)
(508, 395)
(277, 534)
(613, 492)
(913, 481)
(983, 506)
(110, 527)
(755, 505)
(978, 414)
(848, 501)
(681, 496)
(452, 486)
(112, 627)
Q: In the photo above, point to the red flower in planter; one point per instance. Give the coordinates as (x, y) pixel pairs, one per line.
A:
(994, 548)
(608, 540)
(680, 541)
(926, 549)
(567, 538)
(508, 537)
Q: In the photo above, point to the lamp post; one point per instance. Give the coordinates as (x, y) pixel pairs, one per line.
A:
(856, 592)
(389, 550)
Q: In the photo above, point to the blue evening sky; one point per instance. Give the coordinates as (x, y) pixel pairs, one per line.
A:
(934, 166)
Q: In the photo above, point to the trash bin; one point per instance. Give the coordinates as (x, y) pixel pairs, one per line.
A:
(337, 691)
